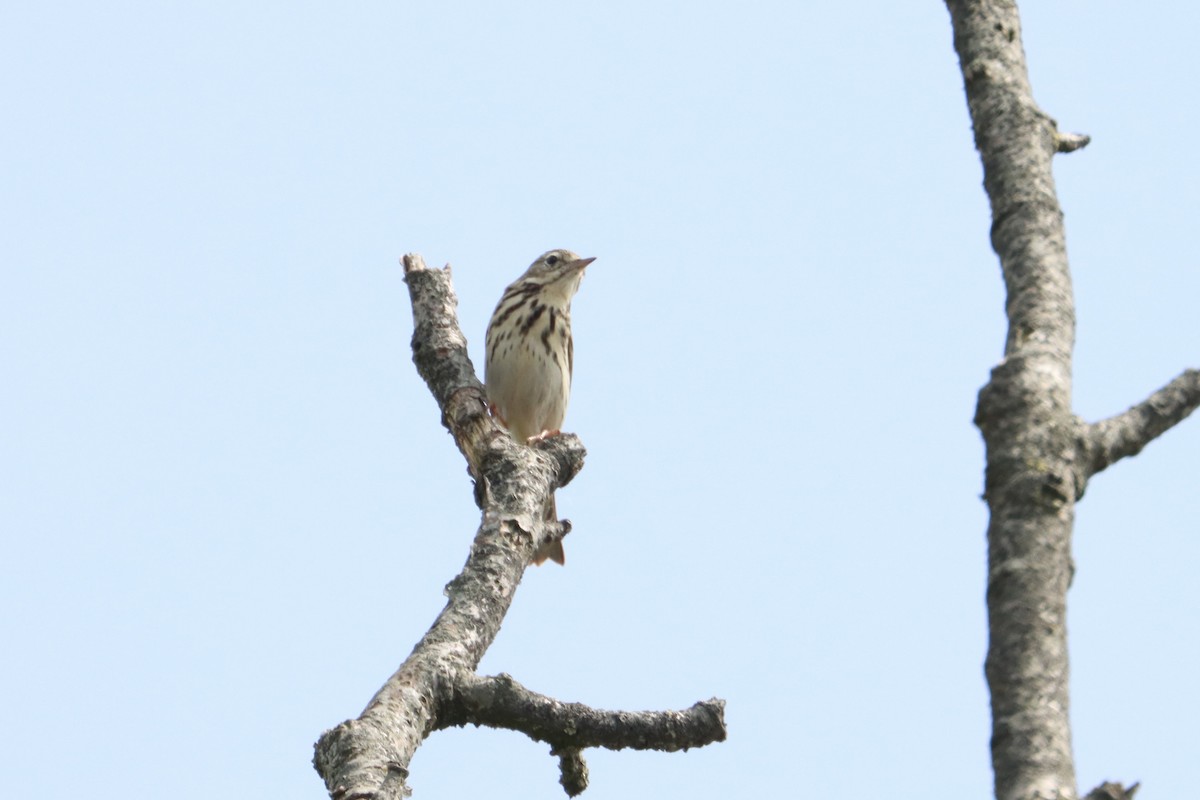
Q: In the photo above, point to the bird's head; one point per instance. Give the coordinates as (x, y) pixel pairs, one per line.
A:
(558, 272)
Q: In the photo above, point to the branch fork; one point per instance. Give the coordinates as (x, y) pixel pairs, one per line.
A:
(1040, 455)
(436, 687)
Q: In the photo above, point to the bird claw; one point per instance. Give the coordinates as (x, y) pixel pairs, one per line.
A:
(542, 436)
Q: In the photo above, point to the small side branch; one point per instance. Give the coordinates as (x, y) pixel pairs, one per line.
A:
(501, 702)
(1070, 142)
(1112, 791)
(574, 777)
(1125, 434)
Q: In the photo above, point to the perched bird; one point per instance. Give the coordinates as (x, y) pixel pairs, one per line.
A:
(530, 353)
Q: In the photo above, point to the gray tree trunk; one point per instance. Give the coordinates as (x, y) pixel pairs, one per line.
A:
(1040, 456)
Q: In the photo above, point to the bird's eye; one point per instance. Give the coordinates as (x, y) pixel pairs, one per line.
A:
(552, 260)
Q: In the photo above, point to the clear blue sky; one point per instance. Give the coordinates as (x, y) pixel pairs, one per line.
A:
(228, 508)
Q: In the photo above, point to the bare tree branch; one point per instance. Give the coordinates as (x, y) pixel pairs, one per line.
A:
(368, 757)
(1070, 142)
(574, 772)
(1024, 412)
(501, 702)
(1039, 455)
(1112, 791)
(1125, 434)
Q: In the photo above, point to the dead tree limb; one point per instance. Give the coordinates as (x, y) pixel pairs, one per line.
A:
(436, 686)
(1125, 434)
(1039, 454)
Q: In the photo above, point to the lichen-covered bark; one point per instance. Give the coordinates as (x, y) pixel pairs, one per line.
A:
(1125, 434)
(501, 702)
(1024, 414)
(1039, 455)
(436, 686)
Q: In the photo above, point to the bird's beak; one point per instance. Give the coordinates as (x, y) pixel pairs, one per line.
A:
(580, 263)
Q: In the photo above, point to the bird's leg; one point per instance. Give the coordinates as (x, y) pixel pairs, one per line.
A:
(543, 435)
(495, 412)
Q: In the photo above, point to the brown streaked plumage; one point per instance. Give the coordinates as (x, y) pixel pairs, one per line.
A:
(530, 356)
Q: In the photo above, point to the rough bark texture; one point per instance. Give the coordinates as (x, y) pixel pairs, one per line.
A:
(1024, 413)
(436, 686)
(1126, 434)
(1039, 455)
(1112, 791)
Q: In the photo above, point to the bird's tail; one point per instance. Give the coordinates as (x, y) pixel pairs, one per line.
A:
(554, 550)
